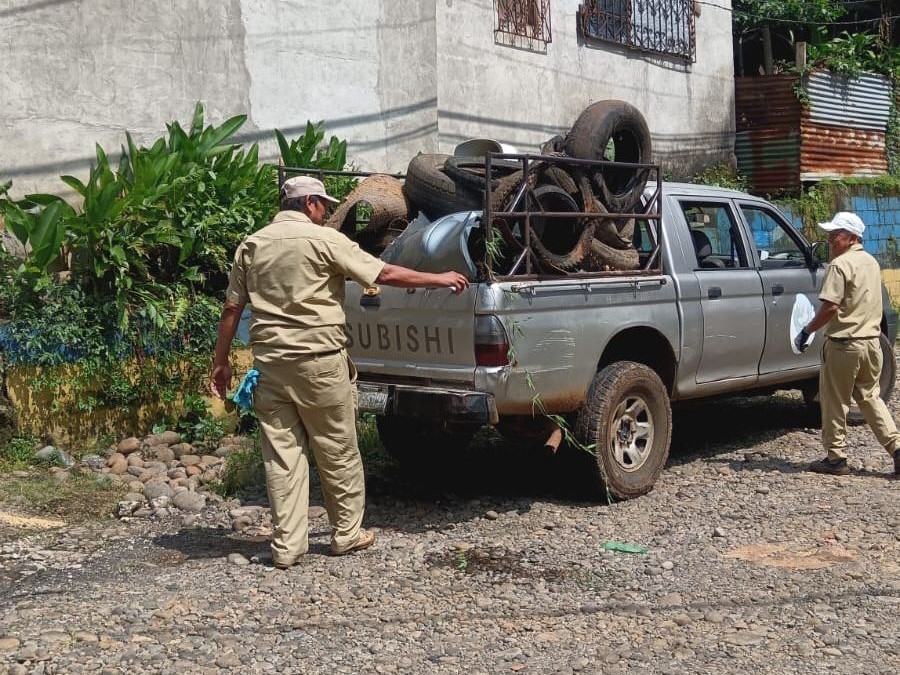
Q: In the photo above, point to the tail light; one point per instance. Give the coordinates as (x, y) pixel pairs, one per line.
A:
(491, 343)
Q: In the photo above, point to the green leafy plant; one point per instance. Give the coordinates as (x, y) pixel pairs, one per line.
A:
(18, 452)
(308, 151)
(243, 470)
(848, 54)
(117, 302)
(722, 175)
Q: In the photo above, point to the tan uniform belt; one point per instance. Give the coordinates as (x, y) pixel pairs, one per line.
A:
(851, 339)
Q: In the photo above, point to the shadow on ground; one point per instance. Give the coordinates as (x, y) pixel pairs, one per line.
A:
(497, 467)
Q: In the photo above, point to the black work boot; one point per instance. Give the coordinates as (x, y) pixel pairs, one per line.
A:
(897, 462)
(835, 467)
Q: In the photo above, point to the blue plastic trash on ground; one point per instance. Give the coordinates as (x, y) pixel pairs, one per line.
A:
(243, 396)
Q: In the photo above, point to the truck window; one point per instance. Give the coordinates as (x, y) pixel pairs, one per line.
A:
(716, 239)
(776, 245)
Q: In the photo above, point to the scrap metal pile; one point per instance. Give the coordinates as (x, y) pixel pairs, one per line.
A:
(568, 210)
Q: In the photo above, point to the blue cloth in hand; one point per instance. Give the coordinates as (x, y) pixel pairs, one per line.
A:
(243, 396)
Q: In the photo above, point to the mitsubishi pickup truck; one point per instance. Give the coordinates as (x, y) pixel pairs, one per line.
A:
(706, 312)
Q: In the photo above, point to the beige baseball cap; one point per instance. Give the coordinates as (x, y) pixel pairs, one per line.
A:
(305, 186)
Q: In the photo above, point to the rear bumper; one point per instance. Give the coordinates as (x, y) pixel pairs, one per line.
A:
(450, 406)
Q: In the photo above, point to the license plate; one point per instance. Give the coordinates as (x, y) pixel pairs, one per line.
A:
(372, 398)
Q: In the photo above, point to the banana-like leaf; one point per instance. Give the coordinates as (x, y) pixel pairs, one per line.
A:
(75, 184)
(197, 121)
(47, 236)
(218, 134)
(283, 147)
(19, 222)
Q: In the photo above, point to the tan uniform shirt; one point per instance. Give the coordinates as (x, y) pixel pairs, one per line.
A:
(853, 283)
(292, 274)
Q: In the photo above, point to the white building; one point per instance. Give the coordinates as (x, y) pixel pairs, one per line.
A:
(393, 77)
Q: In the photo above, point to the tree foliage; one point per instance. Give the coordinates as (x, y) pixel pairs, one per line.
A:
(749, 15)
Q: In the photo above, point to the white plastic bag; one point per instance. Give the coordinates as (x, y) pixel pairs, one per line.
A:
(801, 314)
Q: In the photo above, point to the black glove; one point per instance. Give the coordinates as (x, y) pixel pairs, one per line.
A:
(800, 340)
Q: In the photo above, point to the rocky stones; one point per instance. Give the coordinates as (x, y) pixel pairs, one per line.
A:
(445, 589)
(128, 445)
(117, 463)
(95, 462)
(8, 644)
(192, 502)
(157, 489)
(53, 455)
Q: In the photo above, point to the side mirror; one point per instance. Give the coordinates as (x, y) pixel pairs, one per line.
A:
(818, 253)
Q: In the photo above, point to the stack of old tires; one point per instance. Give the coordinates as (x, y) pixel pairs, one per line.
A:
(438, 185)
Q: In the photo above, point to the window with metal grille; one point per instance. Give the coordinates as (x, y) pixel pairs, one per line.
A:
(661, 26)
(524, 18)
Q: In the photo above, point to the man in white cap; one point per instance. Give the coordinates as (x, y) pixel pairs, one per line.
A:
(851, 357)
(292, 275)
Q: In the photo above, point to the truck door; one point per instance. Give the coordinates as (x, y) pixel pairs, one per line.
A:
(730, 295)
(781, 258)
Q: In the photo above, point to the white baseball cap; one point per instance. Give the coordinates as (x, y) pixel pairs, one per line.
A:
(845, 220)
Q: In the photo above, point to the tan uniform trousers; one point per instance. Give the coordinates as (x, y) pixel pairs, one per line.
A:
(308, 405)
(850, 370)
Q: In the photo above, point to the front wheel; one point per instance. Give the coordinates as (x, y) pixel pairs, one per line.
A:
(627, 423)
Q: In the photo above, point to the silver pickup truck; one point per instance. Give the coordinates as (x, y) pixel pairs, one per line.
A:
(707, 312)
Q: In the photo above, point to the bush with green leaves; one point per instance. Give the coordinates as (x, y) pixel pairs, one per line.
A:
(144, 264)
(163, 222)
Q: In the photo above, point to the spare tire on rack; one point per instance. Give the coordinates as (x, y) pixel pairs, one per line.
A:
(620, 124)
(433, 192)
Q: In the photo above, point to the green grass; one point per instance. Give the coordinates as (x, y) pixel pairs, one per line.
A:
(17, 453)
(367, 437)
(243, 471)
(81, 498)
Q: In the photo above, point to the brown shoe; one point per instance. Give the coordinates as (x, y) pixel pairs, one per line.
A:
(363, 541)
(834, 467)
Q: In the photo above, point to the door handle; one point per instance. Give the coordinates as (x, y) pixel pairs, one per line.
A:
(714, 292)
(777, 289)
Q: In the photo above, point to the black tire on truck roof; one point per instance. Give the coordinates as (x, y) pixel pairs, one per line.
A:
(621, 123)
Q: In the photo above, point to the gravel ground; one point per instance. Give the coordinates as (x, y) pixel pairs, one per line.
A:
(493, 566)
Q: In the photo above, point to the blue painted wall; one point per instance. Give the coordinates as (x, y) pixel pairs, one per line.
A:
(882, 218)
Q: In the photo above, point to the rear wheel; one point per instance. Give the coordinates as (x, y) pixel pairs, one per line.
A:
(627, 422)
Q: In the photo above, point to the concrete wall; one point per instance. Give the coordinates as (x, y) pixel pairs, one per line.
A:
(393, 77)
(524, 96)
(79, 72)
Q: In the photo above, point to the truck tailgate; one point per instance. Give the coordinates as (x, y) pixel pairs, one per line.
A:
(415, 335)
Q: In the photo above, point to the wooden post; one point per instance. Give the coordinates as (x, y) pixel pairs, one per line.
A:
(800, 55)
(768, 60)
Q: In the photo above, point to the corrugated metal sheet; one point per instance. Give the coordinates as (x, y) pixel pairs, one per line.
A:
(766, 102)
(770, 159)
(767, 142)
(832, 152)
(780, 143)
(863, 102)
